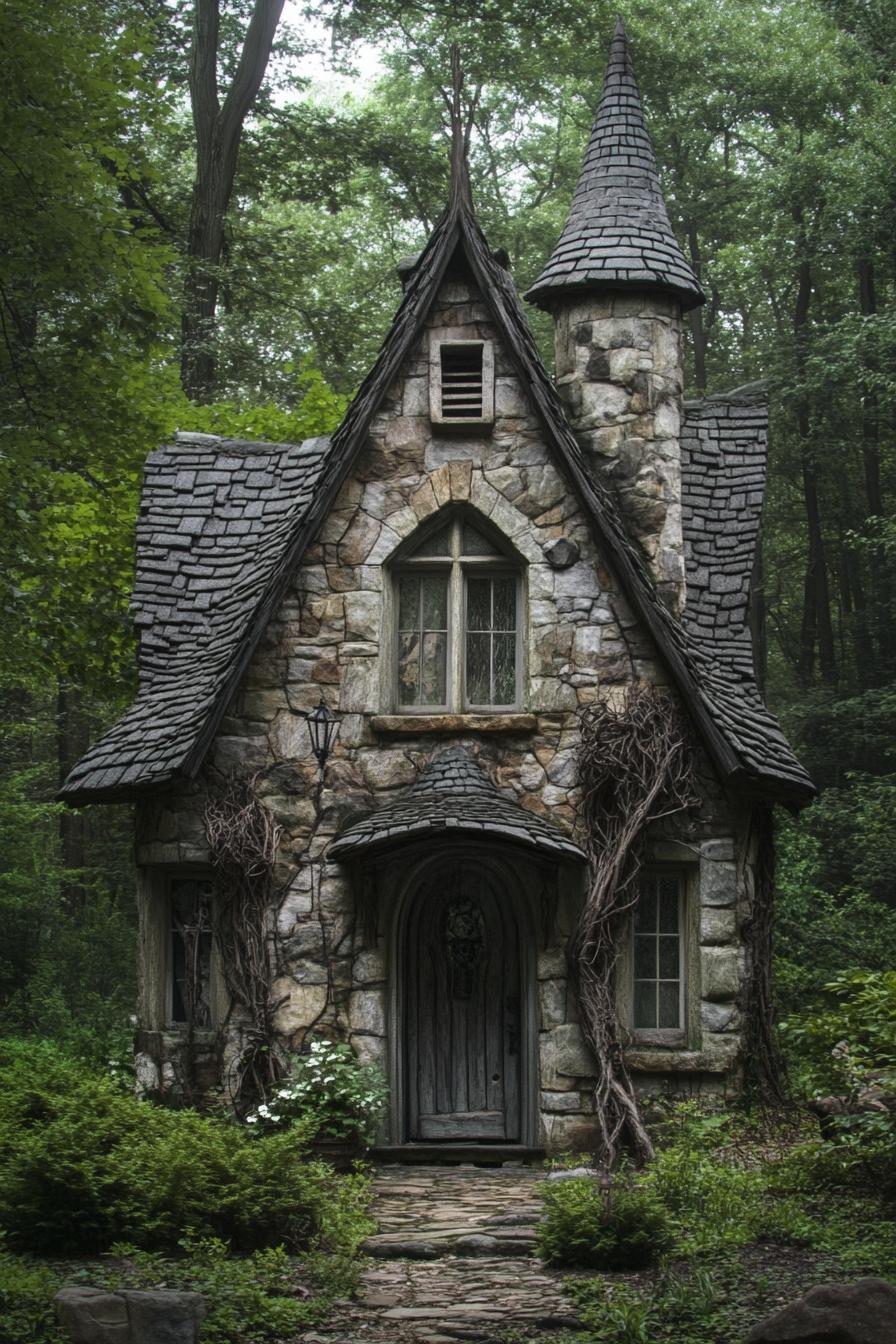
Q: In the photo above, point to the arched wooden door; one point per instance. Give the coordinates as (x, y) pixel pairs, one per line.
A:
(462, 1010)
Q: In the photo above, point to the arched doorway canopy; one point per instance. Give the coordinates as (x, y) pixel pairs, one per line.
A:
(453, 797)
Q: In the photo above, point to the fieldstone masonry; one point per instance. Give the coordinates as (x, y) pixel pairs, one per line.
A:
(619, 364)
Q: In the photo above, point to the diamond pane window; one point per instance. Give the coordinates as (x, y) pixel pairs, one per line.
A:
(657, 960)
(457, 623)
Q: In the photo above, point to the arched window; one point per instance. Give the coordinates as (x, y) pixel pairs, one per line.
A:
(457, 618)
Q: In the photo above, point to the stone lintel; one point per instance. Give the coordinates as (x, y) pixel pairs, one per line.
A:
(411, 725)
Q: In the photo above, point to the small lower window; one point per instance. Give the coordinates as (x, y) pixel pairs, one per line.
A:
(190, 951)
(659, 954)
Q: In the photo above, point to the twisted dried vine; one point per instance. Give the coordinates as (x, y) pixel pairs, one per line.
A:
(636, 767)
(242, 838)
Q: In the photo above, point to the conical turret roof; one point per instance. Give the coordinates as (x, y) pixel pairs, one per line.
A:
(618, 234)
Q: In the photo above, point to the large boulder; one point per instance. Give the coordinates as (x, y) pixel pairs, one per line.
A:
(834, 1313)
(92, 1316)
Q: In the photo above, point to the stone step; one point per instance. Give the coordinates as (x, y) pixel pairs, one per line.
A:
(434, 1243)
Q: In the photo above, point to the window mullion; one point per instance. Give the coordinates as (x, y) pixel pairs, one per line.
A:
(491, 643)
(457, 639)
(422, 637)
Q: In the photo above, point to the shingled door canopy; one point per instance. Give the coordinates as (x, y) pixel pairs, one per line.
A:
(452, 799)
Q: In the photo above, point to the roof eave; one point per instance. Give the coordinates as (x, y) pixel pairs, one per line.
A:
(553, 851)
(549, 296)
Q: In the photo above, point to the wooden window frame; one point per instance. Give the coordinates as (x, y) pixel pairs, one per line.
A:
(458, 567)
(684, 1036)
(183, 1024)
(444, 340)
(156, 969)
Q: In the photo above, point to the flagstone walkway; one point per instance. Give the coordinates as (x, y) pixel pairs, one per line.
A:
(453, 1259)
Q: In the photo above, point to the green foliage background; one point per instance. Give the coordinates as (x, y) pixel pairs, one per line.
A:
(775, 130)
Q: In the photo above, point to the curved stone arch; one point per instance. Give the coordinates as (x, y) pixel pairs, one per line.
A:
(436, 520)
(444, 488)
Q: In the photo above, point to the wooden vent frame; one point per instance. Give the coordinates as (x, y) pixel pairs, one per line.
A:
(461, 383)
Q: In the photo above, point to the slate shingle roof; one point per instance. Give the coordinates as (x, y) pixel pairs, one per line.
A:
(453, 797)
(723, 455)
(216, 516)
(618, 233)
(167, 732)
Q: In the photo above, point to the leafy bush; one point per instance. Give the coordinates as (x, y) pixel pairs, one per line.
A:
(824, 921)
(83, 1164)
(261, 1297)
(845, 1047)
(618, 1226)
(329, 1092)
(26, 1302)
(713, 1202)
(852, 1035)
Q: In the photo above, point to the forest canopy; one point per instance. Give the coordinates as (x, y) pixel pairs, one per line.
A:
(129, 124)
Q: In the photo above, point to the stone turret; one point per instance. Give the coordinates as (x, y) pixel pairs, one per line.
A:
(617, 284)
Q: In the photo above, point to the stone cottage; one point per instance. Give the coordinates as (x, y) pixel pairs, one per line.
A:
(479, 551)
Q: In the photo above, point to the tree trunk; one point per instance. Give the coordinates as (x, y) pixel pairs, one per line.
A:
(816, 628)
(695, 318)
(219, 129)
(70, 745)
(870, 446)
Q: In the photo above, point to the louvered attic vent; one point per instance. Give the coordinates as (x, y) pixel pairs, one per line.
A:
(462, 383)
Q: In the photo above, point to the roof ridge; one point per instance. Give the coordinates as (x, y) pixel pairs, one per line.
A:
(617, 234)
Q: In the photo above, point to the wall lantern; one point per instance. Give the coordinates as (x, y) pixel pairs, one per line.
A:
(323, 727)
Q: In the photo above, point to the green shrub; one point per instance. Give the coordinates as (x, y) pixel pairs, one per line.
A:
(249, 1300)
(26, 1302)
(844, 1047)
(620, 1226)
(83, 1164)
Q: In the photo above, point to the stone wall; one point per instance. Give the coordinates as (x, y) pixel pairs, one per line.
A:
(620, 367)
(327, 639)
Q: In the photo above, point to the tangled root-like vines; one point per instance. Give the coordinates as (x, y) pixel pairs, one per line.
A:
(636, 767)
(243, 838)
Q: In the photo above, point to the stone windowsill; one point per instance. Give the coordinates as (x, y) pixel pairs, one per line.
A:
(414, 724)
(675, 1061)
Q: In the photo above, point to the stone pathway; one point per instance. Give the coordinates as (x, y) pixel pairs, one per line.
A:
(453, 1259)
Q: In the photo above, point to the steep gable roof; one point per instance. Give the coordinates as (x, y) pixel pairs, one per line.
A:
(618, 234)
(129, 760)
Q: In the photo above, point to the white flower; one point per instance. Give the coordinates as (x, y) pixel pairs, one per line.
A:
(284, 1092)
(263, 1111)
(251, 1119)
